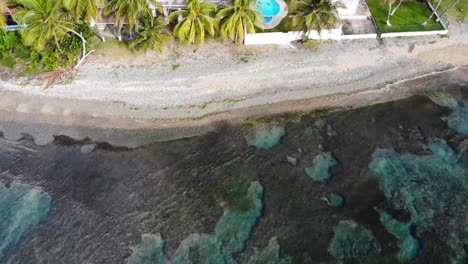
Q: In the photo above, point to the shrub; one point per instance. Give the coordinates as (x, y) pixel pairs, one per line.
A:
(21, 52)
(8, 60)
(311, 44)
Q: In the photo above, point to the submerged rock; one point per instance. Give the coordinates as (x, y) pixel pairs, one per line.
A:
(351, 241)
(87, 149)
(409, 246)
(291, 160)
(432, 188)
(320, 169)
(458, 119)
(266, 137)
(334, 200)
(231, 233)
(21, 206)
(149, 251)
(269, 255)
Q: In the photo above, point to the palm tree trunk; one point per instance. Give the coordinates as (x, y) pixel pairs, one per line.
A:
(448, 8)
(83, 41)
(432, 14)
(393, 11)
(389, 13)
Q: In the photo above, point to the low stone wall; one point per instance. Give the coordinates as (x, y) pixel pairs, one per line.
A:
(360, 36)
(413, 34)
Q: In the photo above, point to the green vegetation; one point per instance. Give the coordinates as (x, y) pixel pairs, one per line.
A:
(313, 15)
(311, 44)
(234, 20)
(351, 242)
(25, 60)
(459, 12)
(153, 33)
(284, 26)
(197, 21)
(408, 17)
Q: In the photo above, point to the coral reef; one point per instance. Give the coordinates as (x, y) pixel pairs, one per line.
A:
(320, 169)
(351, 241)
(21, 206)
(433, 188)
(266, 136)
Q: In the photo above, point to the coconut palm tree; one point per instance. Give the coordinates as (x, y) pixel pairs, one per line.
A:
(153, 34)
(84, 9)
(129, 12)
(313, 15)
(234, 19)
(46, 22)
(3, 9)
(195, 22)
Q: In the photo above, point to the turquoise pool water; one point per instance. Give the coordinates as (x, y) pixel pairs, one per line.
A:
(269, 8)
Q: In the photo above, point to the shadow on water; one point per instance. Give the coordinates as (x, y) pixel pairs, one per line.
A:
(104, 201)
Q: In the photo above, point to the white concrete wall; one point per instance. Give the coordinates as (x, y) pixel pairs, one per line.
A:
(351, 6)
(413, 34)
(285, 38)
(359, 36)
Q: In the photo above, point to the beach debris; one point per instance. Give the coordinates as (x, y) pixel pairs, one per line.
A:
(291, 160)
(266, 136)
(270, 254)
(409, 246)
(21, 206)
(351, 241)
(334, 200)
(432, 188)
(320, 169)
(88, 148)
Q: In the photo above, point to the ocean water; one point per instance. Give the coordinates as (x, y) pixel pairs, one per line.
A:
(386, 183)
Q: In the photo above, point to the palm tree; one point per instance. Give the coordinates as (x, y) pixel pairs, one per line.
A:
(153, 34)
(3, 9)
(84, 9)
(314, 14)
(46, 22)
(234, 19)
(129, 12)
(195, 22)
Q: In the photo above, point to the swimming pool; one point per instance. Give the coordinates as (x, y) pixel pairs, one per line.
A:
(269, 8)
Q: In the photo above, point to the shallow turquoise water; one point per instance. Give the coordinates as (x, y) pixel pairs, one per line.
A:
(386, 183)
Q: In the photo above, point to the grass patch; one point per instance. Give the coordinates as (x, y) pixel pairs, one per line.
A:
(458, 13)
(284, 26)
(407, 18)
(175, 66)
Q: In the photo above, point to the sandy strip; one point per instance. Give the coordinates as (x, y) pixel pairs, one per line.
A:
(225, 82)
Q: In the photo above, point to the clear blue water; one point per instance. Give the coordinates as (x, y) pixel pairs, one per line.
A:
(269, 8)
